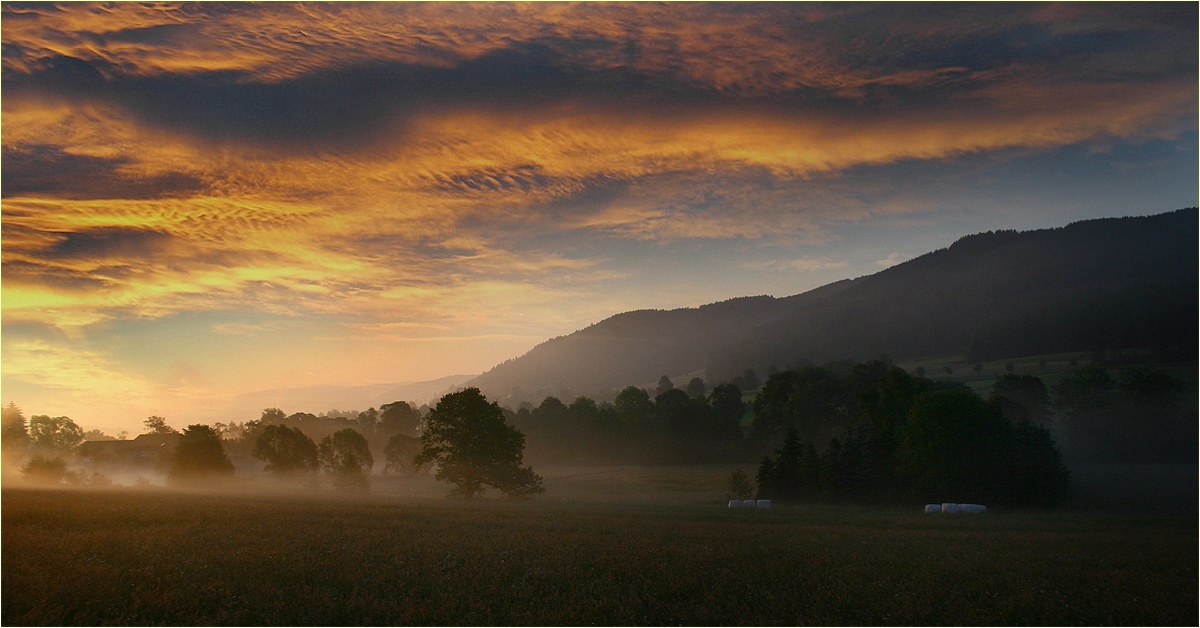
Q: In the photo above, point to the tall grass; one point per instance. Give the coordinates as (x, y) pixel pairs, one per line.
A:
(127, 557)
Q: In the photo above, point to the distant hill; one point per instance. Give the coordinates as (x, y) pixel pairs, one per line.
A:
(317, 399)
(627, 348)
(1107, 284)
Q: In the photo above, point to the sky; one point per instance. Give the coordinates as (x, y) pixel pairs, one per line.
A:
(203, 200)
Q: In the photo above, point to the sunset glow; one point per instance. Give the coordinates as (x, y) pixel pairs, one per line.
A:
(203, 200)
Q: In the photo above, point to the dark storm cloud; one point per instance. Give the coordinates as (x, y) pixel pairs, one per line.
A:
(338, 108)
(844, 61)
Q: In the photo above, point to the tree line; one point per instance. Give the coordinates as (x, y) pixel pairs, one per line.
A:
(464, 437)
(866, 431)
(931, 443)
(876, 432)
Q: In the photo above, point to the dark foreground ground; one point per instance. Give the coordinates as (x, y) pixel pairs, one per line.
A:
(129, 557)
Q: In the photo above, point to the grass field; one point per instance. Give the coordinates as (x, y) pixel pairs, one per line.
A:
(647, 551)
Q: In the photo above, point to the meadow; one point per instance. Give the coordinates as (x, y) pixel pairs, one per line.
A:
(629, 546)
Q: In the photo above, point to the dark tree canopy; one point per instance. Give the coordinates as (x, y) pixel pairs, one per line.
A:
(794, 475)
(551, 409)
(901, 436)
(399, 417)
(368, 419)
(346, 456)
(158, 425)
(953, 448)
(728, 409)
(44, 470)
(634, 406)
(812, 400)
(199, 455)
(399, 453)
(13, 430)
(474, 449)
(673, 410)
(286, 450)
(740, 486)
(58, 433)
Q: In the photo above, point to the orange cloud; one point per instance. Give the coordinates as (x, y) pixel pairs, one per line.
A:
(317, 227)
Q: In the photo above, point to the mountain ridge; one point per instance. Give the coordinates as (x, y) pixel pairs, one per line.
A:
(982, 295)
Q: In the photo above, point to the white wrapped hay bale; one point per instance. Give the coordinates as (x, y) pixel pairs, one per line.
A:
(950, 509)
(763, 503)
(735, 503)
(749, 503)
(932, 508)
(974, 509)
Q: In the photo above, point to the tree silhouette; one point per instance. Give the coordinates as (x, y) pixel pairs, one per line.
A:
(398, 417)
(13, 431)
(46, 470)
(55, 434)
(286, 450)
(634, 406)
(1034, 474)
(739, 485)
(158, 425)
(346, 456)
(664, 384)
(696, 388)
(728, 409)
(199, 456)
(368, 419)
(954, 447)
(794, 474)
(473, 448)
(673, 410)
(399, 452)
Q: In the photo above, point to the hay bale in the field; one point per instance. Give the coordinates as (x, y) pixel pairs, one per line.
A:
(735, 503)
(974, 509)
(950, 509)
(932, 508)
(748, 503)
(763, 503)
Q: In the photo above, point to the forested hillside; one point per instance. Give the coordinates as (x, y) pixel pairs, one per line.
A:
(1108, 285)
(631, 347)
